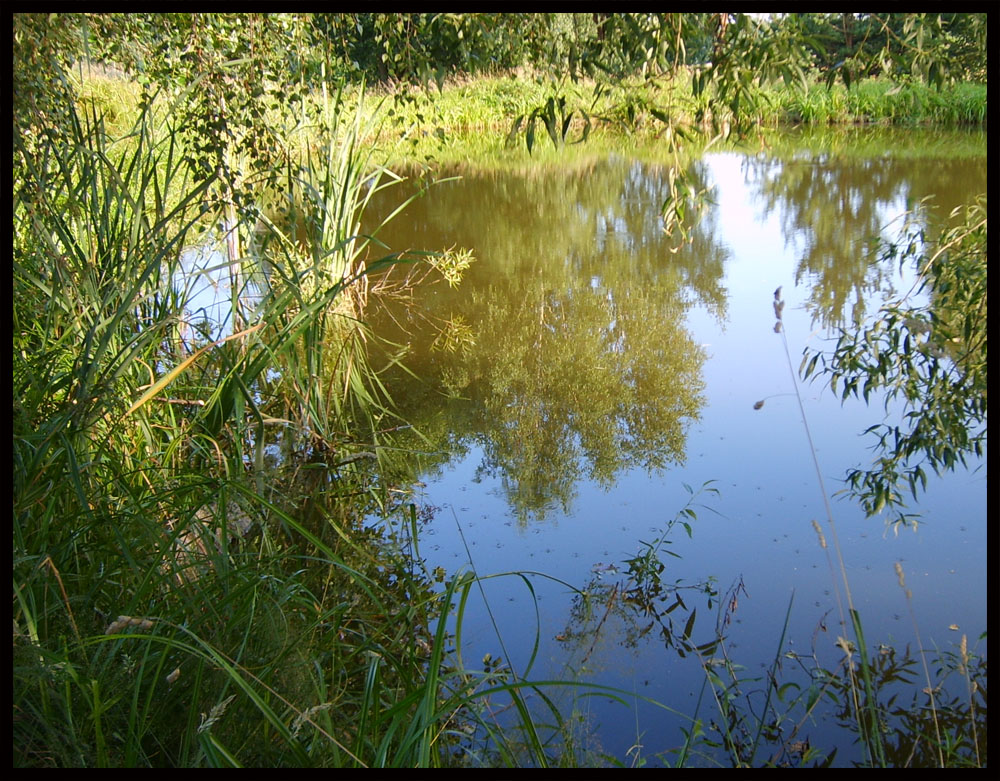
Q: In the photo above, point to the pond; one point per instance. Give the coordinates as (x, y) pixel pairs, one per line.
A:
(588, 376)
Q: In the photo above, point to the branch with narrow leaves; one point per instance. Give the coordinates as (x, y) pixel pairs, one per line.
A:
(930, 356)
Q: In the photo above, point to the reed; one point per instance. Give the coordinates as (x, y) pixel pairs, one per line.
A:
(311, 263)
(880, 101)
(173, 604)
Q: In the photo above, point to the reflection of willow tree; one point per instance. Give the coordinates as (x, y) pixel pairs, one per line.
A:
(600, 219)
(593, 379)
(564, 351)
(837, 205)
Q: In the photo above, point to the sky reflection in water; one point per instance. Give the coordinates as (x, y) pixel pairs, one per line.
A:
(690, 336)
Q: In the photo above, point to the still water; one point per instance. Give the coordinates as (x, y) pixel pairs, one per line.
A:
(588, 375)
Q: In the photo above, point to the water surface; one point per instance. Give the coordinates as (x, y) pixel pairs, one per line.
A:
(588, 372)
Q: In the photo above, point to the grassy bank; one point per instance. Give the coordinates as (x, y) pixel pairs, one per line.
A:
(473, 118)
(883, 102)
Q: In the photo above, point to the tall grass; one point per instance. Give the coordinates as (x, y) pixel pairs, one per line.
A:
(882, 101)
(176, 604)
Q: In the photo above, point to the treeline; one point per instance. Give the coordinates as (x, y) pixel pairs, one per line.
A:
(237, 66)
(434, 46)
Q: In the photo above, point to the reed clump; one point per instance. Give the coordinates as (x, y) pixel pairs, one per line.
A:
(179, 600)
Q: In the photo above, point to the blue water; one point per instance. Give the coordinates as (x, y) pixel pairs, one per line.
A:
(757, 532)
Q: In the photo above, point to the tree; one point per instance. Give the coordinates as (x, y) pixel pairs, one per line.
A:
(231, 68)
(929, 47)
(45, 48)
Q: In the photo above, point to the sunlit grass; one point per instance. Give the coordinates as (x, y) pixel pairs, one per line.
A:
(881, 101)
(470, 118)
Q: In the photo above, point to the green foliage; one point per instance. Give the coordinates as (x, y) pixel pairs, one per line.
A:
(425, 47)
(44, 48)
(251, 613)
(934, 48)
(554, 118)
(930, 355)
(224, 73)
(177, 603)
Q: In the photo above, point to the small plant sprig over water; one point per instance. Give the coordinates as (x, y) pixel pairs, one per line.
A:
(633, 604)
(645, 590)
(549, 733)
(872, 739)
